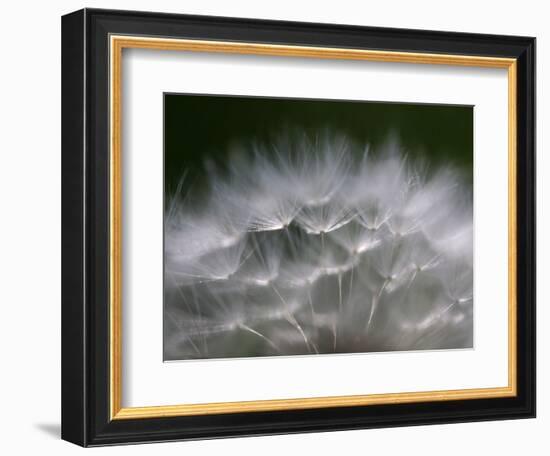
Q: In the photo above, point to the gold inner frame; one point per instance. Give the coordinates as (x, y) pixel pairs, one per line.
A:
(117, 44)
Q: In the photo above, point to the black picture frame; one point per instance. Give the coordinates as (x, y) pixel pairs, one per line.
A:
(86, 417)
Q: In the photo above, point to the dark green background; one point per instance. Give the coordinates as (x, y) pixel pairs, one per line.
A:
(201, 126)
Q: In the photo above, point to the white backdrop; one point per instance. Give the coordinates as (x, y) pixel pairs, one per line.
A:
(30, 232)
(147, 74)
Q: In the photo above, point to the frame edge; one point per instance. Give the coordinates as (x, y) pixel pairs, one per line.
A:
(73, 303)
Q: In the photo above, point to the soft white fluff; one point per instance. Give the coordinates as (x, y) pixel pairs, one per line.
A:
(317, 246)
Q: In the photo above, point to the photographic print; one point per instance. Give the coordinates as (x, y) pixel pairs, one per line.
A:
(239, 192)
(314, 227)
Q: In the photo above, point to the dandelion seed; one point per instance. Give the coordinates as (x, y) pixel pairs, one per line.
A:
(356, 238)
(218, 265)
(315, 169)
(261, 268)
(324, 219)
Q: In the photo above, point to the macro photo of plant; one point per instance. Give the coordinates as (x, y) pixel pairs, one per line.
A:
(307, 227)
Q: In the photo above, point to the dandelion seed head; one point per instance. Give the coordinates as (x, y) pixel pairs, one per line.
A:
(313, 244)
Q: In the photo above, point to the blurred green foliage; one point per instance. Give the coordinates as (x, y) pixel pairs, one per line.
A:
(201, 126)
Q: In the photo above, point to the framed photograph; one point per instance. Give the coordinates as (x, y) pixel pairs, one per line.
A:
(277, 227)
